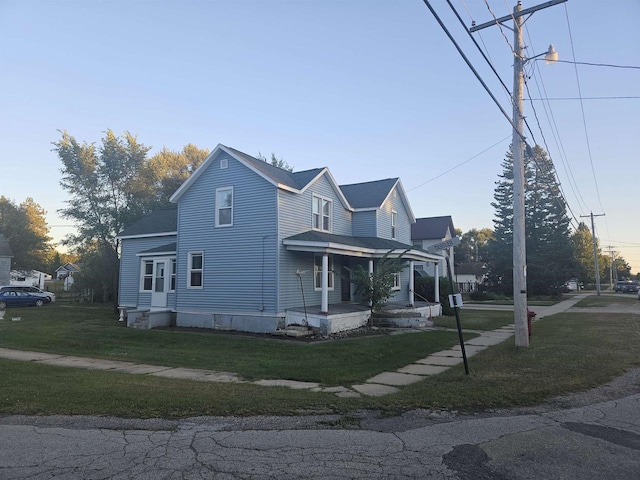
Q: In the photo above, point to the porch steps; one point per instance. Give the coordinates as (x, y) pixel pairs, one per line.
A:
(140, 321)
(295, 331)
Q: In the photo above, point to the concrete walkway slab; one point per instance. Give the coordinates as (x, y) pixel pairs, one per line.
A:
(485, 341)
(141, 369)
(26, 356)
(443, 361)
(395, 379)
(374, 390)
(448, 353)
(295, 385)
(420, 369)
(198, 375)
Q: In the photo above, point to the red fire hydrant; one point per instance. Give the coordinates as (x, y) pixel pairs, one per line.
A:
(530, 316)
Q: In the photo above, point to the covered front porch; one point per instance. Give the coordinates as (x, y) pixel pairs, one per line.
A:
(365, 251)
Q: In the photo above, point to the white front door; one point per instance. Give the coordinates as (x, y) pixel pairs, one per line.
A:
(159, 287)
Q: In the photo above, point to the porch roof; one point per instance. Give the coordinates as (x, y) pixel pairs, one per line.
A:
(366, 247)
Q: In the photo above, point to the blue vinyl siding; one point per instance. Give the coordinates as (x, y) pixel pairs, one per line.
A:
(295, 216)
(240, 260)
(129, 289)
(394, 203)
(365, 223)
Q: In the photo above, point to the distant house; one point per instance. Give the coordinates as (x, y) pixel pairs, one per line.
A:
(253, 247)
(469, 276)
(6, 254)
(66, 270)
(31, 278)
(429, 231)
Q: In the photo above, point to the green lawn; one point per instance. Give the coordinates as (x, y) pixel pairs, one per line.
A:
(606, 300)
(569, 352)
(94, 332)
(476, 319)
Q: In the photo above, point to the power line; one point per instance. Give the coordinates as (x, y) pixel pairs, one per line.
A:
(475, 72)
(462, 163)
(609, 65)
(506, 89)
(581, 98)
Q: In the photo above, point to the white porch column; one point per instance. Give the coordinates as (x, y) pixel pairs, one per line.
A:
(411, 296)
(324, 307)
(437, 283)
(370, 274)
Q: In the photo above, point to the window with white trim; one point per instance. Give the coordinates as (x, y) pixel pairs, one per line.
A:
(224, 207)
(394, 224)
(146, 282)
(317, 272)
(397, 282)
(172, 285)
(321, 218)
(195, 269)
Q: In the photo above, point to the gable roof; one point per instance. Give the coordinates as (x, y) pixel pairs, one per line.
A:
(474, 268)
(163, 221)
(296, 182)
(5, 248)
(69, 267)
(368, 194)
(432, 228)
(371, 195)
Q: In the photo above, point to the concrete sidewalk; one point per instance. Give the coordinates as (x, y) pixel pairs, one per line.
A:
(382, 384)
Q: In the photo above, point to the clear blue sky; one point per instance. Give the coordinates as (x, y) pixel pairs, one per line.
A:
(371, 89)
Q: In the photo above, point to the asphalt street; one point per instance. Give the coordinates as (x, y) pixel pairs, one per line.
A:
(599, 441)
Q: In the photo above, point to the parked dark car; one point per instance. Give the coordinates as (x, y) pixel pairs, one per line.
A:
(631, 286)
(619, 287)
(14, 298)
(30, 289)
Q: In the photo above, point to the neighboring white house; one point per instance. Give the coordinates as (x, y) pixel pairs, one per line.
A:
(31, 278)
(470, 275)
(429, 231)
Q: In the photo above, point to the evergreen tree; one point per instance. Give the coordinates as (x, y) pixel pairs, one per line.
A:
(549, 250)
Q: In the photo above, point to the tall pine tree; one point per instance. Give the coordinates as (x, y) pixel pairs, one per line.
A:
(549, 251)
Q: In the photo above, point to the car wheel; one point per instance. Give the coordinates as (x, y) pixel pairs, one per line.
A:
(39, 303)
(3, 305)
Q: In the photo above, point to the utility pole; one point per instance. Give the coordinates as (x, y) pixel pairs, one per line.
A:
(612, 254)
(595, 248)
(519, 246)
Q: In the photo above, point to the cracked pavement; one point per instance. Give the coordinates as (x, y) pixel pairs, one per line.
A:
(596, 441)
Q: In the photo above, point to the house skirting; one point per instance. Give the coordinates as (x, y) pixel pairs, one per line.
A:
(231, 321)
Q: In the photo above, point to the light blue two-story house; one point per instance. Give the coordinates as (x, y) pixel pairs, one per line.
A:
(253, 247)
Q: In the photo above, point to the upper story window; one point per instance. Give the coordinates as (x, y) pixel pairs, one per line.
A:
(224, 207)
(321, 214)
(394, 224)
(317, 273)
(195, 269)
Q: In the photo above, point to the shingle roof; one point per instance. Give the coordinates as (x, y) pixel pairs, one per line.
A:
(475, 268)
(432, 228)
(170, 247)
(164, 220)
(368, 194)
(5, 248)
(361, 242)
(297, 180)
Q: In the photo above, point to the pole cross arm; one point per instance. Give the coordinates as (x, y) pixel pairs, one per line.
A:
(514, 15)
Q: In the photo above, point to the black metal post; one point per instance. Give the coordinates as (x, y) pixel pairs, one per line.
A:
(456, 308)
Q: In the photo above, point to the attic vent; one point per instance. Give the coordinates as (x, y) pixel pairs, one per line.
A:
(395, 193)
(224, 163)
